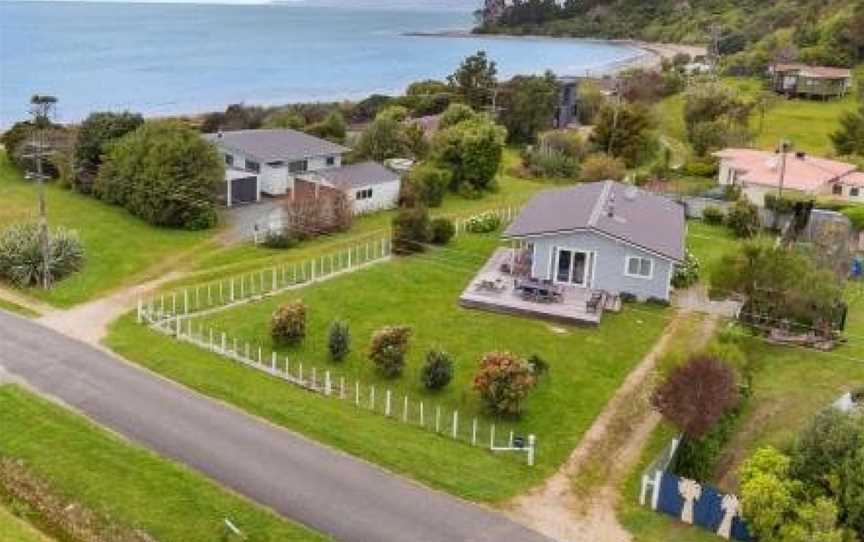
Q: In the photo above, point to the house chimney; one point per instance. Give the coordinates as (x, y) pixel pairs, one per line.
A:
(610, 206)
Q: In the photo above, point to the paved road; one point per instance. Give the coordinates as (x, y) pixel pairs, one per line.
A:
(326, 490)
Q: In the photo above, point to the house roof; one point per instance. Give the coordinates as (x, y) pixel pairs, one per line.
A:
(817, 72)
(623, 212)
(358, 175)
(854, 179)
(803, 172)
(275, 145)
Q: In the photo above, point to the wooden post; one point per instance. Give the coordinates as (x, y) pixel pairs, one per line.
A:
(455, 423)
(221, 297)
(357, 392)
(235, 346)
(314, 376)
(492, 437)
(224, 340)
(372, 398)
(383, 240)
(387, 405)
(531, 442)
(212, 345)
(312, 272)
(273, 362)
(437, 419)
(287, 367)
(327, 384)
(247, 352)
(474, 432)
(174, 303)
(232, 289)
(422, 421)
(140, 310)
(275, 283)
(260, 360)
(300, 369)
(349, 258)
(405, 410)
(341, 387)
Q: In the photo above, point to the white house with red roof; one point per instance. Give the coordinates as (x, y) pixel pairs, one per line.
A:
(760, 172)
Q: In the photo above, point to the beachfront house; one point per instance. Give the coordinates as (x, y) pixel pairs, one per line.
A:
(575, 251)
(810, 81)
(286, 163)
(759, 173)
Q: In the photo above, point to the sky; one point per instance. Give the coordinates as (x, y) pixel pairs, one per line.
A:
(471, 4)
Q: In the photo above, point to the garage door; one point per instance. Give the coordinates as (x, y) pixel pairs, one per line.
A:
(244, 190)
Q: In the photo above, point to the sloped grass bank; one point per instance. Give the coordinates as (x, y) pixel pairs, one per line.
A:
(123, 482)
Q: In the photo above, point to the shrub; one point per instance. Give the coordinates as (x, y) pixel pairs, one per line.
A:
(627, 297)
(697, 458)
(437, 371)
(696, 395)
(658, 301)
(713, 215)
(280, 239)
(600, 167)
(164, 173)
(551, 163)
(388, 349)
(411, 230)
(483, 223)
(687, 273)
(21, 259)
(441, 231)
(288, 323)
(339, 340)
(705, 167)
(743, 218)
(503, 381)
(430, 183)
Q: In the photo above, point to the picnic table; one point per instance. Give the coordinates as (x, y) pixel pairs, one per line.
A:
(539, 290)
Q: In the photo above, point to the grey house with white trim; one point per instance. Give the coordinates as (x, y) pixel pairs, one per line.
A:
(605, 236)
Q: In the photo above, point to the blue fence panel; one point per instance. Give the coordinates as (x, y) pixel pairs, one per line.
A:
(708, 511)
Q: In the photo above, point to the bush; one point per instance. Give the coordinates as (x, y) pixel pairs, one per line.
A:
(713, 215)
(339, 340)
(430, 183)
(280, 239)
(288, 324)
(743, 218)
(697, 458)
(706, 167)
(483, 223)
(411, 230)
(628, 297)
(441, 231)
(388, 349)
(503, 381)
(600, 167)
(437, 371)
(551, 163)
(21, 258)
(687, 273)
(164, 173)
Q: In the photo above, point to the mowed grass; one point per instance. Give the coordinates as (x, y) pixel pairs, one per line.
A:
(130, 485)
(15, 529)
(17, 309)
(119, 247)
(587, 366)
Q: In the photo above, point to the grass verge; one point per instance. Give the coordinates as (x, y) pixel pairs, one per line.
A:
(126, 483)
(15, 529)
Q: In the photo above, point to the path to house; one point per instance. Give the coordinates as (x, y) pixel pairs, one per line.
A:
(554, 508)
(332, 492)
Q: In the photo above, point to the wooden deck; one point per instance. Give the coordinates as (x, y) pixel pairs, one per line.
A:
(572, 310)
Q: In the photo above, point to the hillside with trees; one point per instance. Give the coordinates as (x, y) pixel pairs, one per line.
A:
(751, 32)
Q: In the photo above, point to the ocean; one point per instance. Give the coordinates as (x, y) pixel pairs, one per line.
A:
(162, 59)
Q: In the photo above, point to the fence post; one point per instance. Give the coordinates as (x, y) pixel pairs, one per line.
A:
(405, 410)
(437, 419)
(260, 360)
(383, 240)
(140, 310)
(314, 376)
(327, 386)
(231, 296)
(287, 367)
(372, 398)
(455, 423)
(341, 387)
(531, 442)
(492, 437)
(655, 495)
(300, 372)
(221, 296)
(357, 392)
(273, 362)
(474, 432)
(235, 346)
(387, 405)
(422, 424)
(349, 258)
(185, 301)
(224, 340)
(274, 279)
(312, 271)
(177, 324)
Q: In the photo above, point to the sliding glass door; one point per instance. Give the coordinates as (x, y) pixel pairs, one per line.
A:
(571, 266)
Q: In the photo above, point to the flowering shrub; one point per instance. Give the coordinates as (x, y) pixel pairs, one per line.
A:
(388, 349)
(288, 323)
(687, 273)
(483, 223)
(503, 381)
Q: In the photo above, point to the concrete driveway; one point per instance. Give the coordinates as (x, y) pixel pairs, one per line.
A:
(324, 489)
(241, 219)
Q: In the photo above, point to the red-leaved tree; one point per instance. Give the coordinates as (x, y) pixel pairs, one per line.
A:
(697, 394)
(503, 381)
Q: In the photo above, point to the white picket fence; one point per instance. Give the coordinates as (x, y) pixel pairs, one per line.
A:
(255, 285)
(327, 382)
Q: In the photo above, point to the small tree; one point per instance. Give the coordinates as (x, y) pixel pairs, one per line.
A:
(437, 371)
(475, 79)
(429, 183)
(528, 105)
(696, 395)
(95, 135)
(472, 150)
(410, 230)
(288, 323)
(624, 131)
(743, 218)
(503, 382)
(441, 231)
(383, 139)
(388, 349)
(339, 340)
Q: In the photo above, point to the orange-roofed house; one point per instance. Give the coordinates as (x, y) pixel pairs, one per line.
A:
(810, 81)
(758, 173)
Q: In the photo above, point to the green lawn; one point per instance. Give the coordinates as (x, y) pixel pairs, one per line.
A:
(807, 123)
(17, 309)
(130, 485)
(15, 529)
(120, 247)
(709, 244)
(587, 365)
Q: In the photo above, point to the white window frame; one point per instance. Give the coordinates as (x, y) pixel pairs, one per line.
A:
(631, 257)
(364, 194)
(585, 273)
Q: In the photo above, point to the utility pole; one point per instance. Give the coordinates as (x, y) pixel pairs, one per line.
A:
(42, 110)
(785, 145)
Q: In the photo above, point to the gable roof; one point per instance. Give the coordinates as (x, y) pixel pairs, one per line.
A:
(806, 173)
(623, 212)
(357, 175)
(275, 145)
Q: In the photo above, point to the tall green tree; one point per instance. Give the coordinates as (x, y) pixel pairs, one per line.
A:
(95, 135)
(383, 139)
(624, 131)
(527, 105)
(475, 80)
(472, 150)
(165, 173)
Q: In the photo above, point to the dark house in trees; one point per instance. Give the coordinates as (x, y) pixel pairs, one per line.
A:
(810, 81)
